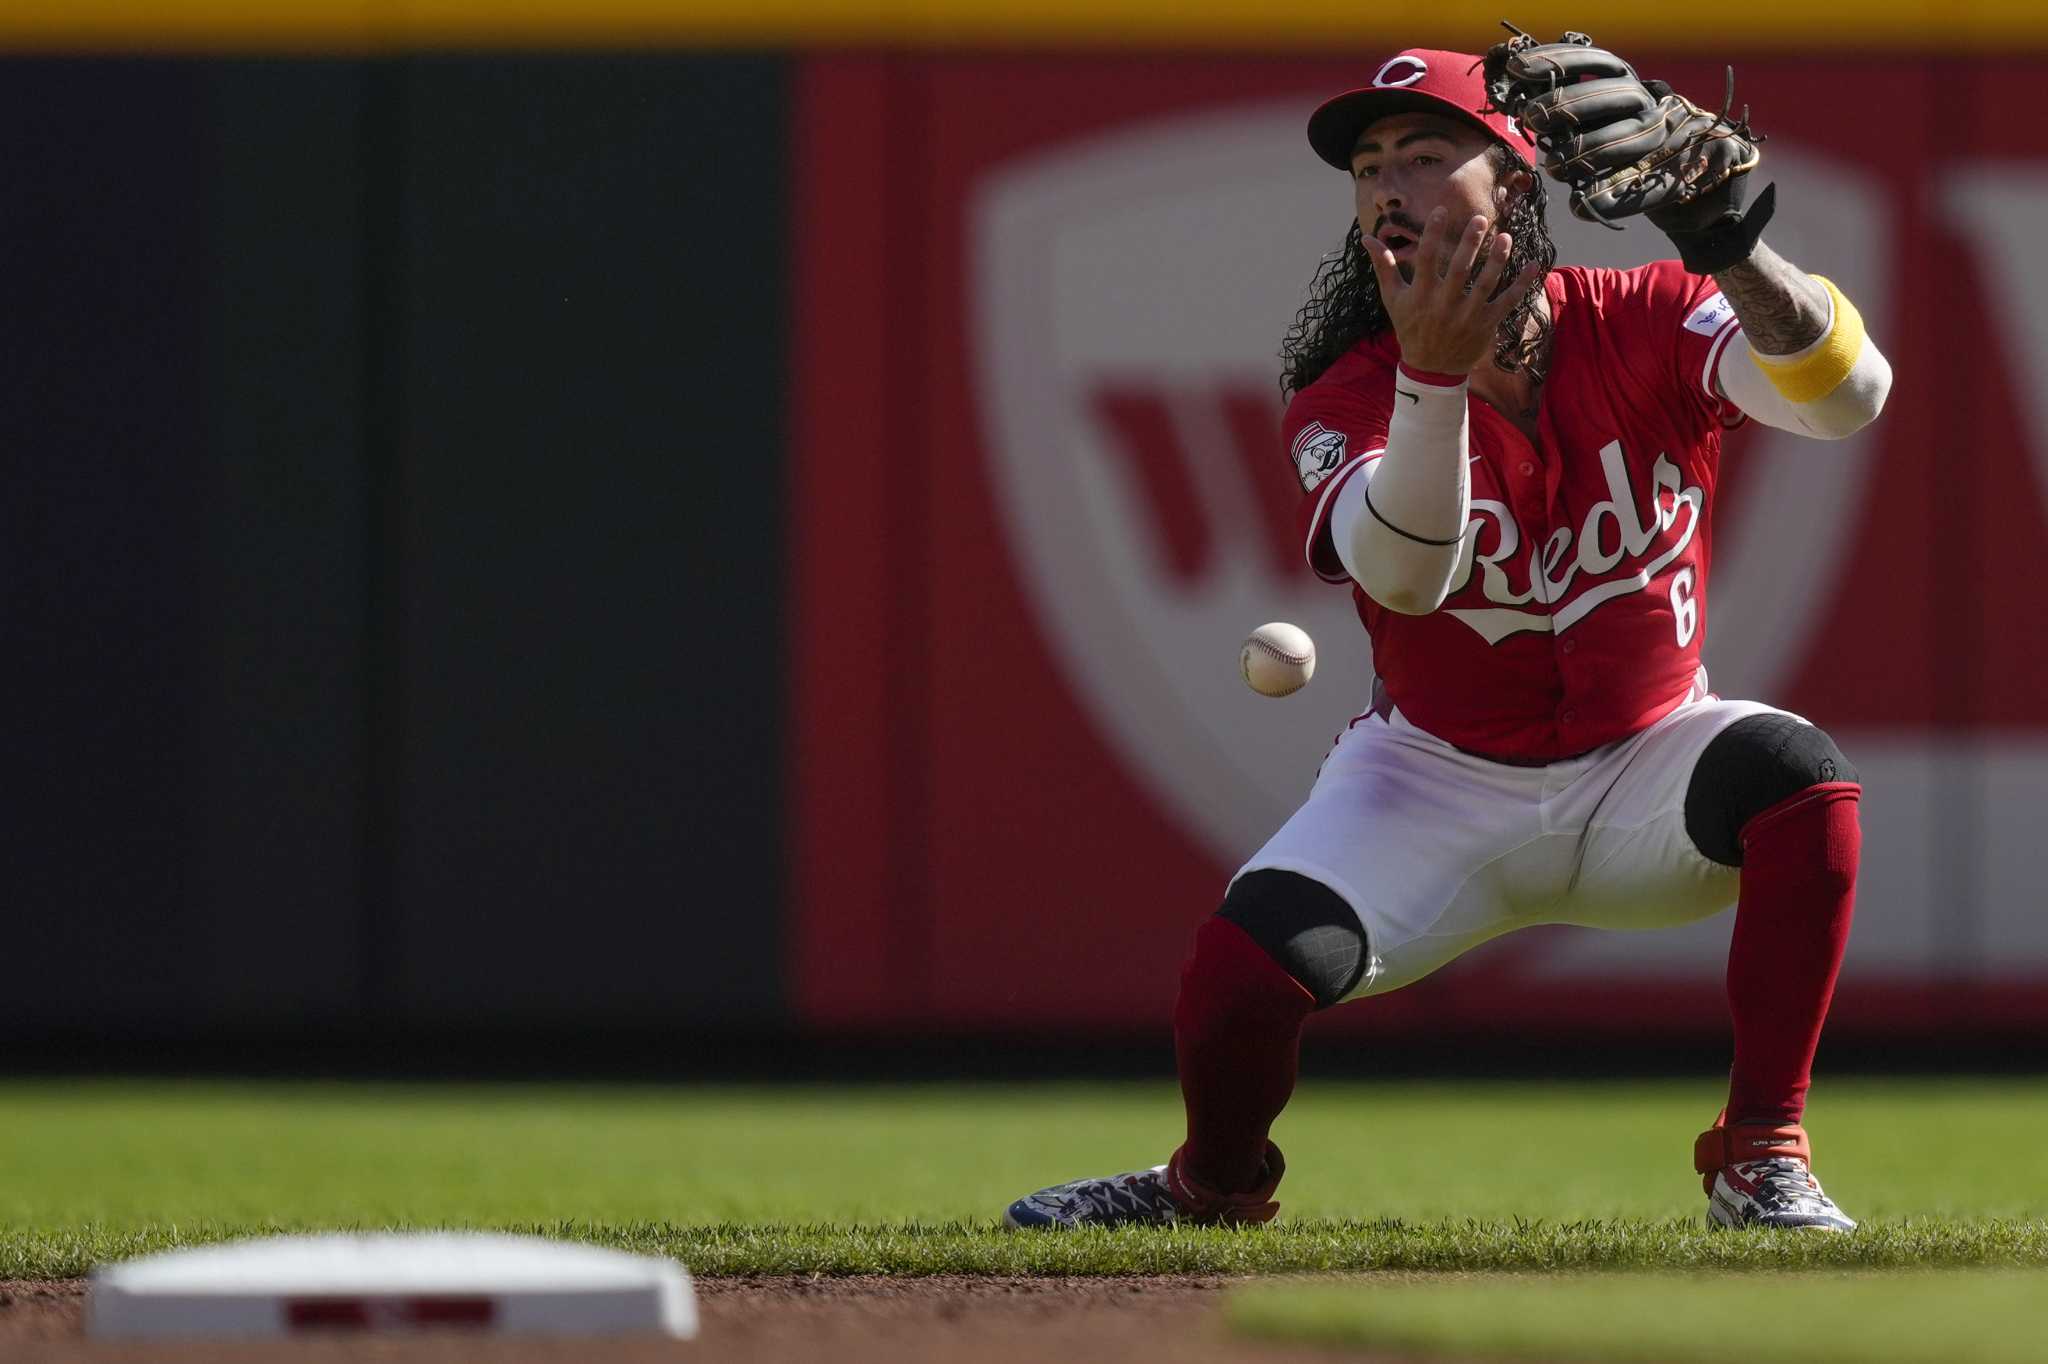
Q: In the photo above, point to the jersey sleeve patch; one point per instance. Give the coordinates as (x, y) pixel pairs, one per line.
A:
(1713, 313)
(1320, 548)
(1318, 451)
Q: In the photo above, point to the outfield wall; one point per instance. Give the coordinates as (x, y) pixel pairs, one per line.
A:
(566, 537)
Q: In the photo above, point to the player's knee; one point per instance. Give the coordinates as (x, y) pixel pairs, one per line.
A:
(1304, 926)
(1750, 766)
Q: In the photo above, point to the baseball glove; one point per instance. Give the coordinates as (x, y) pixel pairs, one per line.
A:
(1628, 146)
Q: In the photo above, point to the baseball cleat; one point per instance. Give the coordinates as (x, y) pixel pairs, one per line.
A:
(1760, 1175)
(1139, 1196)
(1158, 1196)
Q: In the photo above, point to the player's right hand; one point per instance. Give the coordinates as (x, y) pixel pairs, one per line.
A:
(1445, 318)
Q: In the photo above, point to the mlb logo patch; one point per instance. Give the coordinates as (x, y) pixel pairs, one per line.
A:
(1711, 315)
(1317, 453)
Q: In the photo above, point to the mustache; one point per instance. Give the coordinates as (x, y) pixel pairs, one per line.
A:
(1400, 220)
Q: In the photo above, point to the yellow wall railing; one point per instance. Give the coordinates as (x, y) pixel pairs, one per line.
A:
(1231, 25)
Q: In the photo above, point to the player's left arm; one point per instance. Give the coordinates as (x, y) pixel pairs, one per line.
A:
(1801, 360)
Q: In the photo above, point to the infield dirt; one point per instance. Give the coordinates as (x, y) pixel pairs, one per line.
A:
(840, 1320)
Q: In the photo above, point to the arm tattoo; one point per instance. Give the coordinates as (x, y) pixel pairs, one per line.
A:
(1783, 309)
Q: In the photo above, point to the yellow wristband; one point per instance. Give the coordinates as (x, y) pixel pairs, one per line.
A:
(1822, 368)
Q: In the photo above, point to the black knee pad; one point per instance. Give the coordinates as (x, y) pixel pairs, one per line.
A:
(1749, 767)
(1303, 925)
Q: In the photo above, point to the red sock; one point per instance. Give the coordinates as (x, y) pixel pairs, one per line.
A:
(1237, 1032)
(1791, 926)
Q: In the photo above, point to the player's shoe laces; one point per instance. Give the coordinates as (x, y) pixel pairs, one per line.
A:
(1165, 1193)
(1759, 1175)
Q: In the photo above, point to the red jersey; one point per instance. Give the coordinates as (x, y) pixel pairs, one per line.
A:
(1577, 612)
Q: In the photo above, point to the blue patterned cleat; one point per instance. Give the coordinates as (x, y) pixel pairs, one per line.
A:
(1160, 1195)
(1762, 1176)
(1139, 1196)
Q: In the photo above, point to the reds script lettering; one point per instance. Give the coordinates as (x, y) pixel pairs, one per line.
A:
(1549, 576)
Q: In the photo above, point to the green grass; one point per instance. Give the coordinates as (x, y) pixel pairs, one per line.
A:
(827, 1180)
(1900, 1318)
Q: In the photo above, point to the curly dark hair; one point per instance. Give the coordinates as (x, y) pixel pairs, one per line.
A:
(1344, 305)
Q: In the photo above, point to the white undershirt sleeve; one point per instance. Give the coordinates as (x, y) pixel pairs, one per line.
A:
(1851, 406)
(1421, 486)
(1842, 412)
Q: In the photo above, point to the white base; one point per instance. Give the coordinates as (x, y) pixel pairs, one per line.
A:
(286, 1285)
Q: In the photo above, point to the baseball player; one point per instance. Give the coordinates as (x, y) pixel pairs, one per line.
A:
(1512, 467)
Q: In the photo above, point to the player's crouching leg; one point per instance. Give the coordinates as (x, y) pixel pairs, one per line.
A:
(1282, 946)
(1773, 796)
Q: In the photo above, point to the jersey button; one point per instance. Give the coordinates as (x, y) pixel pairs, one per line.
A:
(1569, 716)
(1571, 646)
(1527, 468)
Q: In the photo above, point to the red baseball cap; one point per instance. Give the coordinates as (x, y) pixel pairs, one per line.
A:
(1421, 78)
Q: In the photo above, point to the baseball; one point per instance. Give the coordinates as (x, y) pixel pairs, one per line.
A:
(1278, 659)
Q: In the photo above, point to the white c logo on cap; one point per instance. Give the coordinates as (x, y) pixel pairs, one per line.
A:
(1411, 69)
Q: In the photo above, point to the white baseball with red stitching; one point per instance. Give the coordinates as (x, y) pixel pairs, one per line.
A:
(1278, 659)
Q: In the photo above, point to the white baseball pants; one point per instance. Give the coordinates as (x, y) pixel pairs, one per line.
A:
(1438, 851)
